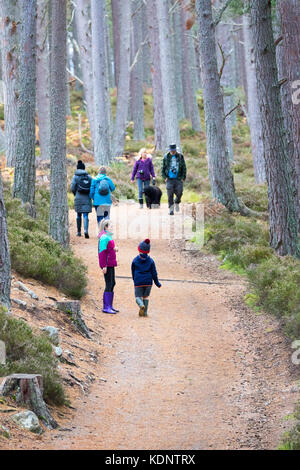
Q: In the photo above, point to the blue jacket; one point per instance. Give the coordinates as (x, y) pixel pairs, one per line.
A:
(144, 271)
(98, 199)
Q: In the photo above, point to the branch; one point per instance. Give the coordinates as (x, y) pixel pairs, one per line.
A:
(138, 52)
(73, 75)
(220, 12)
(282, 82)
(223, 61)
(80, 136)
(231, 111)
(278, 40)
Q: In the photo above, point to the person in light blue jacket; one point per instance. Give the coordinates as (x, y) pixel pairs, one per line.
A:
(100, 192)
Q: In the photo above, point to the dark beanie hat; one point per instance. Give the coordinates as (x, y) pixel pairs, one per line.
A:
(172, 147)
(80, 165)
(144, 247)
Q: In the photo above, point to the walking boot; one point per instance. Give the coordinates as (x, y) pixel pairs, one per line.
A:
(140, 303)
(107, 301)
(113, 302)
(78, 227)
(141, 203)
(146, 303)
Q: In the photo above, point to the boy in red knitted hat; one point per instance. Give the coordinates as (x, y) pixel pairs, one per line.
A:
(143, 274)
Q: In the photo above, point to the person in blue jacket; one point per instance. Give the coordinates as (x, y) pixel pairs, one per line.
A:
(143, 274)
(100, 192)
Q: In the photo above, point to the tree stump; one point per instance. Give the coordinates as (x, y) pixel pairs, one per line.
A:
(72, 308)
(28, 391)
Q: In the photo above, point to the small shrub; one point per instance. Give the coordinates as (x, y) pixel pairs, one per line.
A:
(35, 254)
(276, 283)
(29, 353)
(291, 439)
(229, 232)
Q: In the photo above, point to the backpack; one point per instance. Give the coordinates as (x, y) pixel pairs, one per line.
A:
(84, 184)
(103, 188)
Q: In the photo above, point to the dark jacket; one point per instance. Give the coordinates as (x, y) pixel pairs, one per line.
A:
(166, 165)
(146, 166)
(144, 271)
(82, 202)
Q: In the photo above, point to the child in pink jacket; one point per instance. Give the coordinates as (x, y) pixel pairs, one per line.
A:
(107, 262)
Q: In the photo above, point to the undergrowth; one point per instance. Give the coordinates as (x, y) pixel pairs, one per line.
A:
(35, 254)
(30, 353)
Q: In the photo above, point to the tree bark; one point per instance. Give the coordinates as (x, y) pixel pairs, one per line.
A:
(102, 147)
(221, 179)
(189, 72)
(59, 211)
(9, 49)
(172, 134)
(225, 41)
(124, 80)
(136, 85)
(82, 19)
(159, 121)
(42, 85)
(282, 216)
(28, 390)
(253, 115)
(24, 176)
(288, 60)
(178, 54)
(115, 6)
(5, 273)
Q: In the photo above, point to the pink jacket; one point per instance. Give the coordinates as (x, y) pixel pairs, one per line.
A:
(106, 251)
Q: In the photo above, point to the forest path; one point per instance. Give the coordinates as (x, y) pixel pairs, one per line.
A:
(187, 377)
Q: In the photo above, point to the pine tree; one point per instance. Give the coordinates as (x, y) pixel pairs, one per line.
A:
(282, 216)
(5, 274)
(43, 76)
(59, 211)
(9, 30)
(24, 176)
(221, 179)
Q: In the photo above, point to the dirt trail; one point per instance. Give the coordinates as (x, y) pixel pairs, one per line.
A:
(198, 373)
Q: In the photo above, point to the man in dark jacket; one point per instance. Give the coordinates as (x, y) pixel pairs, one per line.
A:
(80, 187)
(174, 173)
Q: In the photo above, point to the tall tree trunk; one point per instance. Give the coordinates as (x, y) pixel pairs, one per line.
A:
(159, 120)
(9, 49)
(76, 56)
(59, 213)
(124, 80)
(225, 42)
(178, 54)
(82, 19)
(146, 56)
(102, 148)
(24, 176)
(189, 71)
(42, 74)
(137, 91)
(288, 59)
(168, 84)
(115, 7)
(253, 115)
(282, 216)
(5, 275)
(221, 179)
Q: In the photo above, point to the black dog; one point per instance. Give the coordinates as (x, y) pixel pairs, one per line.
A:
(153, 196)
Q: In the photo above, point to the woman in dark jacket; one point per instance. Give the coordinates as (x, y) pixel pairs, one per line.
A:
(80, 187)
(143, 170)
